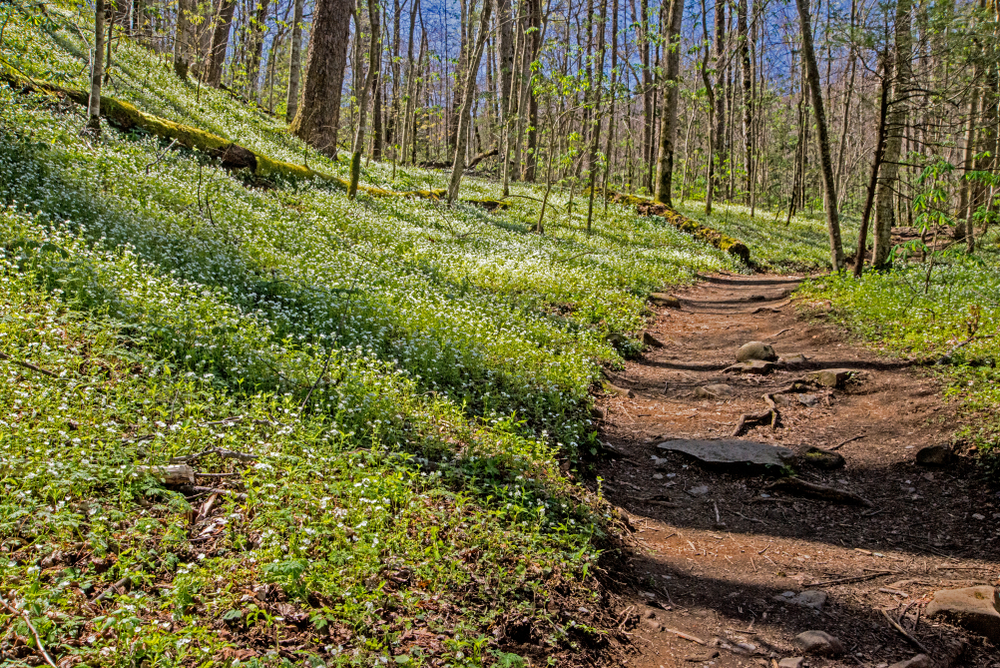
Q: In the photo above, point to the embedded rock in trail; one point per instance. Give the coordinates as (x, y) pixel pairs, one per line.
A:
(761, 367)
(807, 599)
(792, 662)
(818, 642)
(756, 350)
(974, 608)
(919, 661)
(832, 377)
(823, 459)
(651, 341)
(934, 455)
(793, 360)
(713, 391)
(731, 453)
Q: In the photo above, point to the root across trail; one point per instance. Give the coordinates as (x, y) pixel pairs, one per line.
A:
(847, 534)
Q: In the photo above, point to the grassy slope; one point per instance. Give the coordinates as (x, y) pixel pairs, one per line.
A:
(408, 376)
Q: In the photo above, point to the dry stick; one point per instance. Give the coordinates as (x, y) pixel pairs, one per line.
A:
(110, 590)
(850, 440)
(27, 365)
(222, 452)
(913, 641)
(944, 359)
(160, 157)
(858, 578)
(686, 636)
(23, 614)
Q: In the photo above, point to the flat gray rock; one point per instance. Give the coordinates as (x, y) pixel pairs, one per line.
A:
(731, 452)
(818, 642)
(806, 599)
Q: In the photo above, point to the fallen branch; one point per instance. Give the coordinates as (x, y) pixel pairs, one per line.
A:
(198, 489)
(222, 452)
(172, 474)
(112, 589)
(23, 614)
(850, 440)
(857, 578)
(686, 636)
(913, 641)
(797, 485)
(27, 365)
(946, 358)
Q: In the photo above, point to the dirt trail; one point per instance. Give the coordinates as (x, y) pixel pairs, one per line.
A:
(714, 550)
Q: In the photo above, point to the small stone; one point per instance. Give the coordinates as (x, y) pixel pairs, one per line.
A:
(663, 299)
(792, 662)
(793, 360)
(756, 350)
(974, 608)
(653, 625)
(700, 490)
(599, 413)
(832, 377)
(713, 391)
(919, 661)
(701, 655)
(818, 642)
(824, 459)
(657, 476)
(934, 455)
(806, 599)
(808, 400)
(618, 391)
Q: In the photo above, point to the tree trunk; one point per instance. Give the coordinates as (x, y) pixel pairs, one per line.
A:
(671, 94)
(535, 45)
(614, 97)
(720, 156)
(295, 62)
(258, 29)
(222, 26)
(887, 183)
(595, 142)
(469, 94)
(747, 92)
(647, 95)
(374, 48)
(319, 111)
(97, 71)
(859, 261)
(183, 35)
(830, 188)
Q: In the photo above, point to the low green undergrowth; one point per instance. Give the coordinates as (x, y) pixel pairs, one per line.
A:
(947, 313)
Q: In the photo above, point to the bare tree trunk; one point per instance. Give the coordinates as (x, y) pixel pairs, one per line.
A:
(258, 29)
(319, 111)
(97, 71)
(182, 38)
(295, 62)
(469, 93)
(859, 261)
(966, 214)
(712, 119)
(374, 48)
(595, 142)
(647, 94)
(830, 188)
(671, 94)
(534, 44)
(411, 81)
(747, 92)
(720, 153)
(887, 183)
(614, 97)
(221, 27)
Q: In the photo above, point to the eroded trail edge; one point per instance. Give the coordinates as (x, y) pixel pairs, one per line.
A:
(729, 562)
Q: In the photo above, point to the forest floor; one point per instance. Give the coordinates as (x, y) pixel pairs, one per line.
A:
(717, 556)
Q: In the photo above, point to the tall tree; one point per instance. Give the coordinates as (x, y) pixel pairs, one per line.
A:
(258, 31)
(97, 71)
(720, 155)
(469, 94)
(896, 124)
(295, 62)
(221, 27)
(319, 111)
(671, 94)
(371, 79)
(746, 71)
(816, 91)
(184, 37)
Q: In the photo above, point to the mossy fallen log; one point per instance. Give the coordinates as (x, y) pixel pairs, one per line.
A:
(647, 207)
(230, 155)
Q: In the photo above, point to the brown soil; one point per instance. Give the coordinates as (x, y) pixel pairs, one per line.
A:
(709, 563)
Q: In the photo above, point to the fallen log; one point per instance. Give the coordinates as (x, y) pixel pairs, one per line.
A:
(230, 155)
(647, 207)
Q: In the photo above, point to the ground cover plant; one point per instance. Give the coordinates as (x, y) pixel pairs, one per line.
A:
(409, 384)
(941, 309)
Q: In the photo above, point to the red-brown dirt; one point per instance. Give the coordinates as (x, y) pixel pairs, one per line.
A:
(711, 550)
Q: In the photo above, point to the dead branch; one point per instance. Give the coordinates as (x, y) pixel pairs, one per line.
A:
(686, 636)
(913, 641)
(198, 489)
(750, 420)
(23, 614)
(221, 452)
(27, 365)
(857, 578)
(799, 486)
(112, 589)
